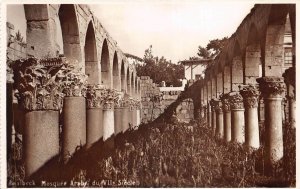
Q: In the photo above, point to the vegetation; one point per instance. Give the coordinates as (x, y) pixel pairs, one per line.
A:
(169, 154)
(212, 49)
(159, 69)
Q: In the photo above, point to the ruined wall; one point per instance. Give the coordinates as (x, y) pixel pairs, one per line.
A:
(154, 101)
(16, 49)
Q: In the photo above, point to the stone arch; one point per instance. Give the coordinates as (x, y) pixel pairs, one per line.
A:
(105, 66)
(91, 59)
(116, 73)
(236, 68)
(252, 60)
(70, 33)
(273, 47)
(123, 76)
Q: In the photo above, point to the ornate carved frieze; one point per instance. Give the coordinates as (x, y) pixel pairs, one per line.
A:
(74, 83)
(236, 100)
(271, 86)
(119, 99)
(250, 94)
(225, 102)
(38, 84)
(95, 96)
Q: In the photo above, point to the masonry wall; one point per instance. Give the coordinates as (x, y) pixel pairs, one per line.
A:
(15, 49)
(154, 102)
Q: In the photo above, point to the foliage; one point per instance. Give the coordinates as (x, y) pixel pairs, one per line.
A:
(159, 69)
(212, 49)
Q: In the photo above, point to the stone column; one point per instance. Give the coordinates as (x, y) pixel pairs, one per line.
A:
(289, 79)
(118, 111)
(39, 95)
(74, 114)
(292, 110)
(108, 114)
(227, 117)
(219, 120)
(209, 114)
(213, 116)
(237, 117)
(125, 118)
(94, 119)
(273, 89)
(250, 95)
(138, 112)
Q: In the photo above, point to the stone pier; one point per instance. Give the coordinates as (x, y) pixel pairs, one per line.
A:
(250, 95)
(237, 117)
(94, 122)
(273, 89)
(227, 117)
(41, 102)
(108, 114)
(74, 114)
(219, 120)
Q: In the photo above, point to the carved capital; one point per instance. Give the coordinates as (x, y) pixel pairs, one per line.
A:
(38, 83)
(271, 87)
(236, 100)
(225, 102)
(110, 97)
(74, 83)
(95, 96)
(250, 94)
(218, 107)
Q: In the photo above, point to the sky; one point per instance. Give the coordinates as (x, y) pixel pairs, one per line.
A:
(175, 30)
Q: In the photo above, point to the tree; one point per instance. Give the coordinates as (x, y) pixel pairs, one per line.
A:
(160, 69)
(212, 49)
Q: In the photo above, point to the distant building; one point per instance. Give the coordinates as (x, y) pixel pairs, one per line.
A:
(194, 69)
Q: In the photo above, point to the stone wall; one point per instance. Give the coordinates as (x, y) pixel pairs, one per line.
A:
(156, 99)
(15, 48)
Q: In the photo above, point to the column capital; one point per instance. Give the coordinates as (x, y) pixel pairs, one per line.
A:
(236, 100)
(271, 86)
(74, 83)
(250, 94)
(110, 96)
(225, 102)
(95, 96)
(38, 83)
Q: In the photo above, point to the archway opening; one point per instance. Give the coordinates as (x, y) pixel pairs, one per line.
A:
(105, 68)
(91, 61)
(70, 34)
(123, 77)
(116, 75)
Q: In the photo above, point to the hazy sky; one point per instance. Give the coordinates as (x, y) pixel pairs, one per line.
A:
(175, 30)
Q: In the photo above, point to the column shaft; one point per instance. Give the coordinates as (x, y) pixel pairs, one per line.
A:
(108, 123)
(74, 127)
(94, 125)
(227, 125)
(41, 139)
